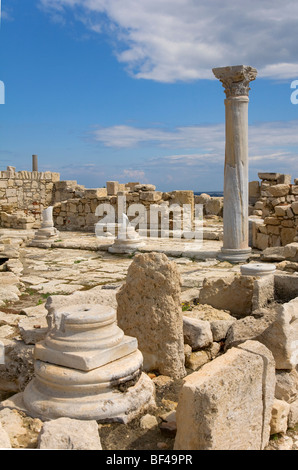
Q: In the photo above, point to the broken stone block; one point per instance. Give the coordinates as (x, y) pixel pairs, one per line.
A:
(149, 308)
(197, 333)
(33, 329)
(293, 414)
(281, 337)
(279, 190)
(69, 434)
(286, 385)
(279, 419)
(233, 396)
(220, 328)
(233, 293)
(274, 253)
(248, 328)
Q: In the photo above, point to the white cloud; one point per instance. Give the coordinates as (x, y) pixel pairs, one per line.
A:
(183, 137)
(136, 174)
(170, 40)
(271, 144)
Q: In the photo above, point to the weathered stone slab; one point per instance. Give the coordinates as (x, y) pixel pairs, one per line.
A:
(233, 397)
(69, 434)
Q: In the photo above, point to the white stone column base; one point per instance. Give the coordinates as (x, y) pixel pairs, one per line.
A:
(117, 392)
(234, 256)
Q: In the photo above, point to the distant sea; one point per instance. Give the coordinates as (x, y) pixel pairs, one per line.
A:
(211, 193)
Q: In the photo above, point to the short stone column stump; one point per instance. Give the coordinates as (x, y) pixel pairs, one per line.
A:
(86, 368)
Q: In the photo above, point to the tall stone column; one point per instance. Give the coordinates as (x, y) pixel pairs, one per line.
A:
(236, 81)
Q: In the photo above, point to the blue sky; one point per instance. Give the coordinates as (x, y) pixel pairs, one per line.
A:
(123, 89)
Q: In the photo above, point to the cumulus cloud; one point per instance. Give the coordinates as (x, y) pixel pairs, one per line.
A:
(172, 40)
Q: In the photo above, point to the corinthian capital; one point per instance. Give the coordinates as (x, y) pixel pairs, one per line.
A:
(235, 79)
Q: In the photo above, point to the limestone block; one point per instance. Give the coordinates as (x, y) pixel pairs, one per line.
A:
(281, 337)
(262, 241)
(273, 229)
(273, 254)
(288, 223)
(293, 414)
(259, 205)
(233, 396)
(294, 207)
(291, 251)
(254, 190)
(294, 189)
(248, 328)
(279, 190)
(287, 235)
(233, 293)
(202, 198)
(284, 179)
(3, 184)
(271, 221)
(286, 385)
(144, 187)
(220, 328)
(279, 419)
(214, 206)
(197, 333)
(151, 196)
(149, 308)
(269, 176)
(69, 434)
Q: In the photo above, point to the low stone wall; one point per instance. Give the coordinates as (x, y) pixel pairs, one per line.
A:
(275, 211)
(24, 195)
(80, 210)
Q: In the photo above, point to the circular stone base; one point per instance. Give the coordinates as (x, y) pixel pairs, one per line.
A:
(111, 406)
(234, 256)
(126, 246)
(114, 392)
(257, 269)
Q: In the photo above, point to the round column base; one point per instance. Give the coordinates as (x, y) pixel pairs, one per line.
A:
(258, 269)
(234, 256)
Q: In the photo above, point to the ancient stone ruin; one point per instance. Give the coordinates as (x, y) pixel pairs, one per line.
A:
(120, 331)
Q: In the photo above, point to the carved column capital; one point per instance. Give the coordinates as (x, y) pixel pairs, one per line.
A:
(236, 79)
